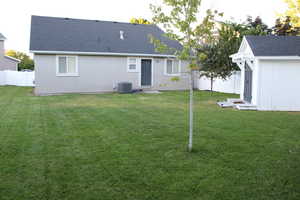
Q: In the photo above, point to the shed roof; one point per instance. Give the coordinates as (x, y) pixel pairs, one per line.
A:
(274, 45)
(77, 35)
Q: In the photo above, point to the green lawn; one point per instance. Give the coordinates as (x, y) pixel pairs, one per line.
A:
(133, 147)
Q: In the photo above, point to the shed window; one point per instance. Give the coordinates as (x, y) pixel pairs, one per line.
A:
(67, 66)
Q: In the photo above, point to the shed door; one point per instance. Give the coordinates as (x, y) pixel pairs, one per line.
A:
(248, 84)
(146, 72)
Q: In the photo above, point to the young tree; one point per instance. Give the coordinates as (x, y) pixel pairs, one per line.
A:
(139, 21)
(207, 51)
(26, 61)
(178, 24)
(224, 41)
(209, 62)
(215, 61)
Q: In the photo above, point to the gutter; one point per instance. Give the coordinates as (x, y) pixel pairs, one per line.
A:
(278, 57)
(102, 53)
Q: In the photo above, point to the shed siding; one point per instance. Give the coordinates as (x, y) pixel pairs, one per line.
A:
(255, 82)
(98, 74)
(279, 85)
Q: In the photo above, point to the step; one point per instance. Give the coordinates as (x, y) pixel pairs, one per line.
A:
(235, 101)
(246, 107)
(225, 104)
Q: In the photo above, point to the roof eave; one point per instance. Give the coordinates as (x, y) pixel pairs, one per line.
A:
(100, 53)
(277, 57)
(14, 59)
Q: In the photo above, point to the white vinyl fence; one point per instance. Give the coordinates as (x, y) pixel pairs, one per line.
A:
(16, 78)
(231, 85)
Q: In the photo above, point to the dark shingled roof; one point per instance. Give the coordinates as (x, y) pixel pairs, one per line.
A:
(274, 45)
(65, 34)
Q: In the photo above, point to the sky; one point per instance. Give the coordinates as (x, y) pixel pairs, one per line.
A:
(15, 16)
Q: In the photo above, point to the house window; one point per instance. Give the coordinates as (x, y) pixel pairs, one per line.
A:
(67, 66)
(132, 65)
(172, 67)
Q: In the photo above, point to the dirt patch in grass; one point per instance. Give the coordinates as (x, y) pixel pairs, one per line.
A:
(293, 113)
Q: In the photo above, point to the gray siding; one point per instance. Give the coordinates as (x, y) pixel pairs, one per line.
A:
(6, 63)
(99, 74)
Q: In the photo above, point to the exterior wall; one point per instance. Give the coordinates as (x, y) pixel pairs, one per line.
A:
(99, 74)
(6, 63)
(164, 82)
(1, 48)
(255, 82)
(279, 85)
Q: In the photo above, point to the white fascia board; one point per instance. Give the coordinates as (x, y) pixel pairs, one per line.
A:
(251, 52)
(234, 55)
(17, 60)
(240, 57)
(244, 46)
(278, 57)
(241, 52)
(101, 53)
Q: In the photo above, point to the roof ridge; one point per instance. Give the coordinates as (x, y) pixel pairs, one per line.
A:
(91, 20)
(272, 45)
(278, 36)
(49, 34)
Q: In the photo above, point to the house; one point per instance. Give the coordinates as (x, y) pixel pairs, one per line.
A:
(270, 72)
(6, 62)
(91, 56)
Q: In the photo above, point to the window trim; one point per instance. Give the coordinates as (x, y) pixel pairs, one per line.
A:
(67, 74)
(179, 67)
(136, 64)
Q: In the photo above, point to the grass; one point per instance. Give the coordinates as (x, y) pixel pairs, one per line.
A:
(133, 147)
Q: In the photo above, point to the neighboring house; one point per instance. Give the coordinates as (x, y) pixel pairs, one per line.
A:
(90, 56)
(6, 62)
(270, 72)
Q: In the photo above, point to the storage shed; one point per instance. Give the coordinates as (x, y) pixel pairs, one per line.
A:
(270, 72)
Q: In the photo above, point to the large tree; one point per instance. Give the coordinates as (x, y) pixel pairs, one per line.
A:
(289, 22)
(179, 19)
(283, 27)
(255, 27)
(293, 12)
(139, 21)
(26, 61)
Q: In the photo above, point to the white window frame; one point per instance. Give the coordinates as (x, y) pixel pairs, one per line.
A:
(137, 60)
(179, 67)
(66, 74)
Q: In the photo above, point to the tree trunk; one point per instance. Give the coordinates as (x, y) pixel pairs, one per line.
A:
(190, 146)
(211, 84)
